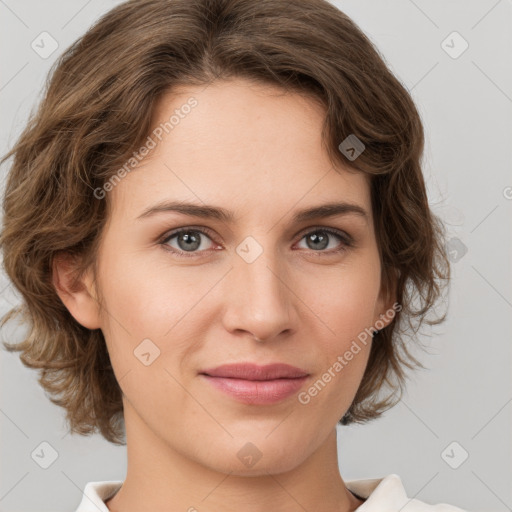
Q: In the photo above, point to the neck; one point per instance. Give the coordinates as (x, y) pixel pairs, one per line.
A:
(160, 478)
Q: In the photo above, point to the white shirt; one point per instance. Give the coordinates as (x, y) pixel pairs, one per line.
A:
(385, 494)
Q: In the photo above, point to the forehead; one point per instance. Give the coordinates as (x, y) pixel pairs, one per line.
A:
(236, 143)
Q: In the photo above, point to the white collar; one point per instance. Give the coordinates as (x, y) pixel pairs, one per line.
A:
(386, 493)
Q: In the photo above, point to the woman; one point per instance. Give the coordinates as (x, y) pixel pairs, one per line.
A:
(218, 222)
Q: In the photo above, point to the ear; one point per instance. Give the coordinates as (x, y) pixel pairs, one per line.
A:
(78, 295)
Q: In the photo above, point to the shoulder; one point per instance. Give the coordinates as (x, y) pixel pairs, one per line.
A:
(388, 492)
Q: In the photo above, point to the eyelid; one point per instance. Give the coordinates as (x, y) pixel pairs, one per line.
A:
(328, 229)
(203, 229)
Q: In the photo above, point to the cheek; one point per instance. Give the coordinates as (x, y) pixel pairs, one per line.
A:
(143, 308)
(147, 295)
(345, 305)
(343, 348)
(149, 299)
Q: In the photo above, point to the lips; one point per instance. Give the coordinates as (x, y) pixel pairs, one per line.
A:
(256, 385)
(250, 371)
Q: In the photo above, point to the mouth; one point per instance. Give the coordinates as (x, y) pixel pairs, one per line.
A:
(256, 385)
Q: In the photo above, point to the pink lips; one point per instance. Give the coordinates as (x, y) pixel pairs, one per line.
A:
(257, 385)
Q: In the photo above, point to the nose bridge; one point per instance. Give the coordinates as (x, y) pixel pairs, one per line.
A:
(260, 301)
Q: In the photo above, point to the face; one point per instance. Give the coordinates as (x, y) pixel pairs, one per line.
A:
(176, 305)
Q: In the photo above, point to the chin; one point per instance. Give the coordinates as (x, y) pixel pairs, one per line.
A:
(260, 468)
(253, 459)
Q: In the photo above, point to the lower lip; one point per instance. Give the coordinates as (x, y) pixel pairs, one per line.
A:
(257, 392)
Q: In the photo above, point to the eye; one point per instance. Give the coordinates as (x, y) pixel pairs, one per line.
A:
(188, 242)
(319, 239)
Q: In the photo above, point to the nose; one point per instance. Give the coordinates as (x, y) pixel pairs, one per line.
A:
(258, 299)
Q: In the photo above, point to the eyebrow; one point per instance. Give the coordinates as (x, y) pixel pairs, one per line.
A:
(227, 216)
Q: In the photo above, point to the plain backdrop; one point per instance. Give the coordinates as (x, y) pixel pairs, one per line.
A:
(450, 439)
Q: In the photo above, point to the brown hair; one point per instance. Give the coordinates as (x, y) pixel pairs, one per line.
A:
(97, 109)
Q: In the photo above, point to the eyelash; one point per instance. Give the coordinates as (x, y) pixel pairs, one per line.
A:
(347, 240)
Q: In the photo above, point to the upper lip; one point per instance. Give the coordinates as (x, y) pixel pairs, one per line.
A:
(251, 371)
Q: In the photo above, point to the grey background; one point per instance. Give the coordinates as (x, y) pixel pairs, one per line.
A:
(465, 394)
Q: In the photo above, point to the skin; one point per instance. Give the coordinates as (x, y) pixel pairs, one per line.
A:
(257, 151)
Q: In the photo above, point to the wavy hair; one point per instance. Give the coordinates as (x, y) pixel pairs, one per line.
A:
(97, 108)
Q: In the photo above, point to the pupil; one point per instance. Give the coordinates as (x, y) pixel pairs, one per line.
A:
(187, 238)
(322, 238)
